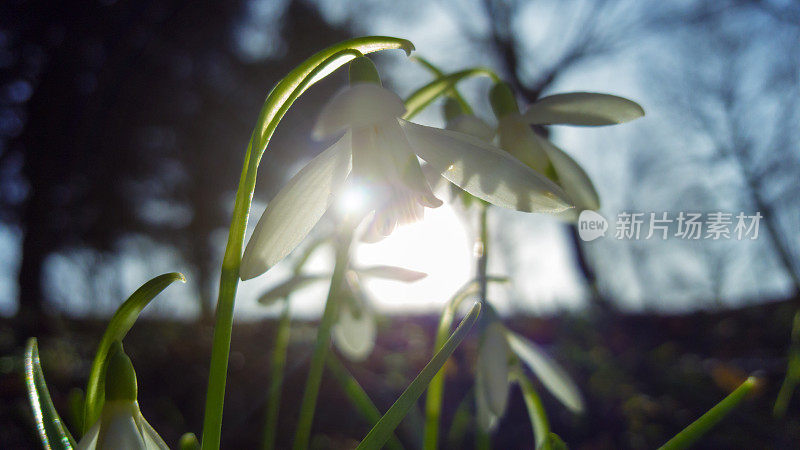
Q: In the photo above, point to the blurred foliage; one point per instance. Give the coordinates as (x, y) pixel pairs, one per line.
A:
(644, 379)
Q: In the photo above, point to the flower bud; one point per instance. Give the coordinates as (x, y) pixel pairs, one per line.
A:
(120, 383)
(501, 96)
(362, 70)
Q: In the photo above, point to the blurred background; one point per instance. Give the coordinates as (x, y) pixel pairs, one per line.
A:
(122, 132)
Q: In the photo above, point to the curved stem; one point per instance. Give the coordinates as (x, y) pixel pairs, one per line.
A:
(322, 344)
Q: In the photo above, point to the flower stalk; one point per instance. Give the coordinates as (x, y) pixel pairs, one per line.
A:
(322, 345)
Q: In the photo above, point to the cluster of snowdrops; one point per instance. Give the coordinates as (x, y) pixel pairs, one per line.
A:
(402, 166)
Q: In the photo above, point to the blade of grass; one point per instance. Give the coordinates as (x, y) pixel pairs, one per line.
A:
(384, 428)
(52, 432)
(276, 377)
(700, 427)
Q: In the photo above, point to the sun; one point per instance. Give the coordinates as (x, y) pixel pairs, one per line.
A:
(439, 245)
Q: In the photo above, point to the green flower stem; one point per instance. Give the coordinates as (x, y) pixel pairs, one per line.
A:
(437, 72)
(425, 95)
(278, 101)
(384, 428)
(322, 346)
(276, 377)
(483, 245)
(699, 427)
(359, 397)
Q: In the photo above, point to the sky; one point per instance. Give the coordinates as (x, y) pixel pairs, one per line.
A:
(532, 249)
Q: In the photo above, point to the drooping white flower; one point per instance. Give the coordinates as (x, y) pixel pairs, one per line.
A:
(378, 150)
(121, 424)
(515, 135)
(492, 380)
(499, 350)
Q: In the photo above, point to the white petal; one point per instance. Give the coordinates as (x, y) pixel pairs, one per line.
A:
(473, 126)
(485, 171)
(358, 105)
(390, 138)
(292, 214)
(516, 137)
(89, 440)
(583, 108)
(152, 440)
(487, 420)
(118, 428)
(552, 376)
(355, 336)
(392, 273)
(572, 178)
(493, 364)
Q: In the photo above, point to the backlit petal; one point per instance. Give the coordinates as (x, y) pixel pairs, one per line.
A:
(485, 171)
(487, 420)
(552, 376)
(152, 440)
(89, 440)
(572, 178)
(118, 427)
(358, 105)
(516, 137)
(583, 108)
(292, 214)
(354, 335)
(493, 364)
(391, 273)
(473, 126)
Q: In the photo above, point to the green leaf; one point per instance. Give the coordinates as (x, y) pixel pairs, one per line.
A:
(119, 325)
(552, 376)
(792, 378)
(52, 431)
(358, 396)
(423, 96)
(536, 412)
(384, 428)
(700, 427)
(554, 442)
(278, 364)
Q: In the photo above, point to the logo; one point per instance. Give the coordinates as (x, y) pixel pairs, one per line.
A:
(591, 225)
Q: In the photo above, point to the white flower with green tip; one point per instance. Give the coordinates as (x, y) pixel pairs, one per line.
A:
(378, 150)
(121, 424)
(515, 135)
(498, 350)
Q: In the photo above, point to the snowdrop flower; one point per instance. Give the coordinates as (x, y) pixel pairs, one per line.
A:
(515, 135)
(499, 350)
(378, 150)
(121, 424)
(356, 328)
